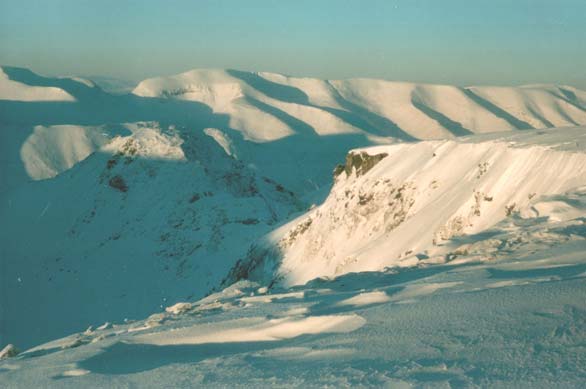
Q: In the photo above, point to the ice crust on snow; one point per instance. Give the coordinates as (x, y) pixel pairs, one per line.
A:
(178, 308)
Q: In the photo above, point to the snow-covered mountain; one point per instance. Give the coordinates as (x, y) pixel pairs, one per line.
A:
(116, 206)
(267, 106)
(315, 121)
(403, 205)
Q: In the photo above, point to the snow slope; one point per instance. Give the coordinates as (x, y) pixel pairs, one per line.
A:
(21, 91)
(397, 205)
(514, 321)
(54, 149)
(168, 186)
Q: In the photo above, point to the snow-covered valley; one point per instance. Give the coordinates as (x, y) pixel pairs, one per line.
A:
(352, 232)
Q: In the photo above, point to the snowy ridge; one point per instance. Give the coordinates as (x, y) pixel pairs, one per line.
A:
(19, 91)
(51, 150)
(266, 106)
(400, 209)
(304, 116)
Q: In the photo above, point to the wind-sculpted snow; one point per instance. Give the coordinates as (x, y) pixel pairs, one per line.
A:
(416, 197)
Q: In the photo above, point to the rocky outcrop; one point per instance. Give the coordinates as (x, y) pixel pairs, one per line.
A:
(8, 352)
(360, 162)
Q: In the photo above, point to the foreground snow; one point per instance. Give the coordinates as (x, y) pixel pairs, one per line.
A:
(517, 320)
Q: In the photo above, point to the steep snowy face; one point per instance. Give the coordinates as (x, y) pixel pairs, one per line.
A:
(398, 205)
(49, 150)
(268, 106)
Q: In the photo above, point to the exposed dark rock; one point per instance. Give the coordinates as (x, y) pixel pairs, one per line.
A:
(118, 183)
(111, 163)
(339, 169)
(249, 221)
(362, 162)
(9, 352)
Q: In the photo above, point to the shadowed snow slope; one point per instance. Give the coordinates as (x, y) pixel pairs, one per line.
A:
(416, 197)
(155, 215)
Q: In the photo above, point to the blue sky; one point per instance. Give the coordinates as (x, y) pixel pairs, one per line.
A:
(463, 42)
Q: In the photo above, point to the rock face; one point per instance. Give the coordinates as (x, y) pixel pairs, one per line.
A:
(360, 162)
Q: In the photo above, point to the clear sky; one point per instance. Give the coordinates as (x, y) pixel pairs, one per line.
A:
(462, 42)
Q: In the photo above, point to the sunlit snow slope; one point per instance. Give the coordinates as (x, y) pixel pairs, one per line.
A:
(397, 205)
(267, 106)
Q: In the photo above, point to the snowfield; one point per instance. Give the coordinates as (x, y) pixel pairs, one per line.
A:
(222, 228)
